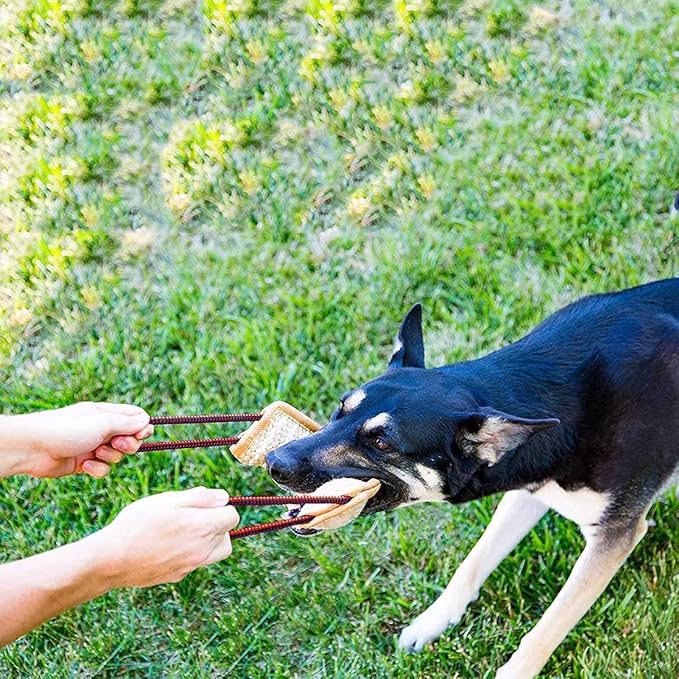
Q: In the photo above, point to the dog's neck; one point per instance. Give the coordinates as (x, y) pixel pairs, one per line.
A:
(514, 381)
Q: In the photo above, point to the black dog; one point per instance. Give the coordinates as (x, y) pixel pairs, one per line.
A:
(581, 416)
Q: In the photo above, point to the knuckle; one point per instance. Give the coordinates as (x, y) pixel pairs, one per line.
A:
(232, 517)
(208, 529)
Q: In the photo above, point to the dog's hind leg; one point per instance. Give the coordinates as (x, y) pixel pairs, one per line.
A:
(516, 514)
(603, 555)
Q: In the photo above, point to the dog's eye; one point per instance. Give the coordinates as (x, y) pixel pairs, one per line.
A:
(380, 444)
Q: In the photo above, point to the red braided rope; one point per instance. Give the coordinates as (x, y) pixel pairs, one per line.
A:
(247, 531)
(197, 419)
(206, 419)
(263, 500)
(255, 501)
(187, 443)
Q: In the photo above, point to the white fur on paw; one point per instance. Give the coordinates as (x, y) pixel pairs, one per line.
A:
(425, 628)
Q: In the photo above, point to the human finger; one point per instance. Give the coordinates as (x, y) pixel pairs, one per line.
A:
(125, 424)
(118, 408)
(96, 468)
(145, 432)
(108, 454)
(202, 497)
(221, 551)
(218, 519)
(125, 444)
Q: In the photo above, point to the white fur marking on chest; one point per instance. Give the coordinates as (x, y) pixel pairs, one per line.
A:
(584, 506)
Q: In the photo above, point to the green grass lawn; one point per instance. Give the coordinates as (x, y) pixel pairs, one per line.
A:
(209, 207)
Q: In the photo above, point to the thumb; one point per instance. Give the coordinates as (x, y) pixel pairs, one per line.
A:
(126, 423)
(202, 497)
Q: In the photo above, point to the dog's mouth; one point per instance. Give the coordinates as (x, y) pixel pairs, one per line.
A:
(388, 497)
(300, 530)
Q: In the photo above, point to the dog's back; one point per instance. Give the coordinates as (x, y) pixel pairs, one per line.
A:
(597, 315)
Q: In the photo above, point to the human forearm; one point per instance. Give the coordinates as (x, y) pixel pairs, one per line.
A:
(17, 443)
(38, 588)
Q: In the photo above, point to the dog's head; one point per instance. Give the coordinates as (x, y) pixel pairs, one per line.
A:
(416, 430)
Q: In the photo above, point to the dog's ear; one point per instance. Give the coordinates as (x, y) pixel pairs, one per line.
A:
(488, 433)
(409, 346)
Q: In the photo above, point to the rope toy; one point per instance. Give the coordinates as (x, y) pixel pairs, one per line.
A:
(332, 515)
(332, 505)
(279, 423)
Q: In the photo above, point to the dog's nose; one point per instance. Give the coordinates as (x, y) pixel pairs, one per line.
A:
(280, 469)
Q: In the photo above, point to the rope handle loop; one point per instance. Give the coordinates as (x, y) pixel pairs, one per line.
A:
(166, 420)
(267, 500)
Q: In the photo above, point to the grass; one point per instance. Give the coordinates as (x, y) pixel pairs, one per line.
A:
(208, 208)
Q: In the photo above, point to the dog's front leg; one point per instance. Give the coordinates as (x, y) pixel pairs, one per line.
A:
(603, 555)
(516, 514)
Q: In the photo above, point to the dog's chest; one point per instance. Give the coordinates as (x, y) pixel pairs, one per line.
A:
(584, 506)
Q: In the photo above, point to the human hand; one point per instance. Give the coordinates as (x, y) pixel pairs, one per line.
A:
(84, 437)
(163, 537)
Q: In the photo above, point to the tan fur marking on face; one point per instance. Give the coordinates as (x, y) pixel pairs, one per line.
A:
(430, 477)
(333, 455)
(426, 489)
(380, 420)
(353, 400)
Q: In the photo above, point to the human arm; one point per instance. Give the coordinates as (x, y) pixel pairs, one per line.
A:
(84, 437)
(158, 539)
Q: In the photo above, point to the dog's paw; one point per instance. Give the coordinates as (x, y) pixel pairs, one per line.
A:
(425, 628)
